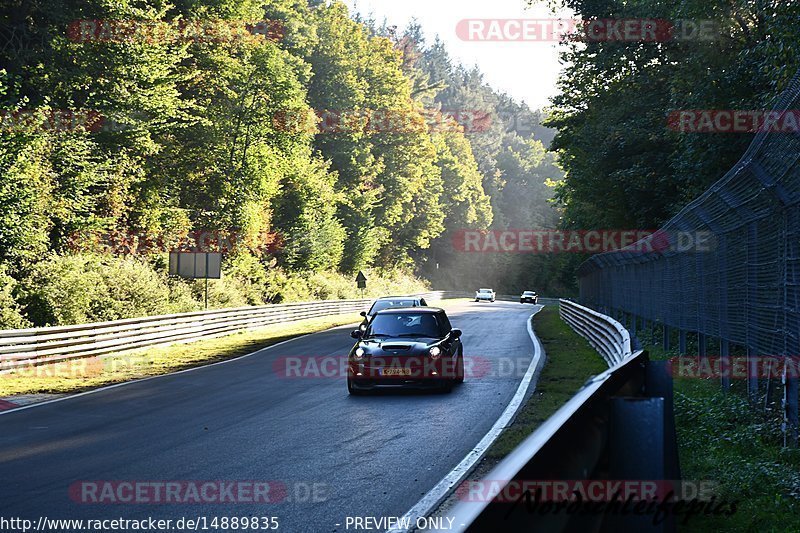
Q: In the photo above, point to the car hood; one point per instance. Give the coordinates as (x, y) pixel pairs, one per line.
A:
(399, 344)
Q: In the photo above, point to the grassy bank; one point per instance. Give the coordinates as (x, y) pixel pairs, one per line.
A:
(90, 373)
(570, 362)
(722, 438)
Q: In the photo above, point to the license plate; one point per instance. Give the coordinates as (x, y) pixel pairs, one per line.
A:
(395, 371)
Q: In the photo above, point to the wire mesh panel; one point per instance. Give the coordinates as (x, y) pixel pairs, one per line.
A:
(741, 284)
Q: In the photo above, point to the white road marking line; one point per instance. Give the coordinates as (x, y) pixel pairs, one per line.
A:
(444, 488)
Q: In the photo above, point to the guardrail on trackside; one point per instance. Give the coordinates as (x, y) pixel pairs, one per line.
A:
(35, 346)
(605, 334)
(619, 426)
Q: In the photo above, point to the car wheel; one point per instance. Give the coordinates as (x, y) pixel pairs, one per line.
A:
(447, 385)
(460, 368)
(353, 390)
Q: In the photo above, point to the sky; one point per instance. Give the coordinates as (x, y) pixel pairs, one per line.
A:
(525, 70)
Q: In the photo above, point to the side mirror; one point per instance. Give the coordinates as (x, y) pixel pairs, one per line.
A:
(456, 333)
(363, 313)
(356, 333)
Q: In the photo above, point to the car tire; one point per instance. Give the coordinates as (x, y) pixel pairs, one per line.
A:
(460, 368)
(447, 386)
(353, 391)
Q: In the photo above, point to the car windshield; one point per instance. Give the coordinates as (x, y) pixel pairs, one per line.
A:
(380, 305)
(528, 293)
(485, 290)
(406, 325)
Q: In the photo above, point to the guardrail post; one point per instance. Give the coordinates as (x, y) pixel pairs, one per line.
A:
(725, 366)
(637, 450)
(659, 384)
(682, 342)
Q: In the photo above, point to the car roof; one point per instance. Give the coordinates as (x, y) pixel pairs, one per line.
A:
(402, 310)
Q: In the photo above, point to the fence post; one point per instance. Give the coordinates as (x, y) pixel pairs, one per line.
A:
(667, 340)
(790, 409)
(701, 345)
(752, 375)
(682, 342)
(725, 366)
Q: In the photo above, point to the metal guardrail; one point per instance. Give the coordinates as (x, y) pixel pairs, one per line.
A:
(605, 334)
(619, 426)
(36, 346)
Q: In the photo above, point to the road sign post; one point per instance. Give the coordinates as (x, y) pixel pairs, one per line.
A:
(191, 265)
(361, 282)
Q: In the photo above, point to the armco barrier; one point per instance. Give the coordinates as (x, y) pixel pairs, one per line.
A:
(35, 346)
(619, 426)
(605, 334)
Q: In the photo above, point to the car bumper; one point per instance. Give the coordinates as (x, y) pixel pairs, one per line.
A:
(409, 372)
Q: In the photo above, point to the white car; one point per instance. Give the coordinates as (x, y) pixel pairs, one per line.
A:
(485, 295)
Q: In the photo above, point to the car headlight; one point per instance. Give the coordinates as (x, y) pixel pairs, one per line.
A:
(359, 353)
(435, 352)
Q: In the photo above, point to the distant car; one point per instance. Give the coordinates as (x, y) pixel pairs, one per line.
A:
(529, 297)
(406, 347)
(484, 295)
(390, 302)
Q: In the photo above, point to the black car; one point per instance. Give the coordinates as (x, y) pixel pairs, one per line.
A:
(529, 297)
(406, 347)
(390, 302)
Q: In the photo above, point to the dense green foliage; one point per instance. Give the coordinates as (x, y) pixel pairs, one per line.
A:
(180, 119)
(624, 167)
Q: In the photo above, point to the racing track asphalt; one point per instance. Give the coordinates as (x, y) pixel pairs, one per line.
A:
(368, 456)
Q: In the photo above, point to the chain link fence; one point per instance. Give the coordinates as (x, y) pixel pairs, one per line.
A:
(738, 291)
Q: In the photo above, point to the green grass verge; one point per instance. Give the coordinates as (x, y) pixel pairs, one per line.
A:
(90, 373)
(722, 438)
(570, 362)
